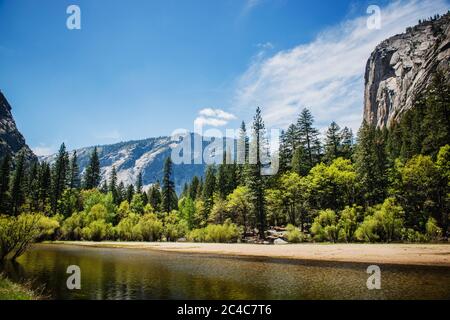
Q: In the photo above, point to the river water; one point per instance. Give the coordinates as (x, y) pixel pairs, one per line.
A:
(108, 273)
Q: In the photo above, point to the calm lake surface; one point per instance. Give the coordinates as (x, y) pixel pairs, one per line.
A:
(144, 274)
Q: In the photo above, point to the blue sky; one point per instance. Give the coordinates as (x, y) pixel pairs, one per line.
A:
(139, 69)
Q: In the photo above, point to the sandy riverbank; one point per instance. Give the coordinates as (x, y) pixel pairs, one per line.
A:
(405, 254)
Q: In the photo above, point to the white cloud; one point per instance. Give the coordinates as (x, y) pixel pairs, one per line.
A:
(43, 151)
(213, 117)
(250, 5)
(326, 75)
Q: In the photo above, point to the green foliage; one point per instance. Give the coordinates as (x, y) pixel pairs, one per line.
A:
(225, 233)
(325, 226)
(348, 223)
(294, 235)
(433, 230)
(384, 222)
(18, 233)
(174, 227)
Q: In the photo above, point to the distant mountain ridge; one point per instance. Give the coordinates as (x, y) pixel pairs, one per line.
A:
(145, 156)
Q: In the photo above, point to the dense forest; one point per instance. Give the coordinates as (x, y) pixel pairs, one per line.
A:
(389, 184)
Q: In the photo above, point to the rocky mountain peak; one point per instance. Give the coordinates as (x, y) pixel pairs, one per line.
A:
(11, 140)
(403, 66)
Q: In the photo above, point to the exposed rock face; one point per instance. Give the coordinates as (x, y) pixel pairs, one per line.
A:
(11, 140)
(403, 66)
(142, 156)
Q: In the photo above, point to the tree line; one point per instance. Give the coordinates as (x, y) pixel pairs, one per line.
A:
(389, 184)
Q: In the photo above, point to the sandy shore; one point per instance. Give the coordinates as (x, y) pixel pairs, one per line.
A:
(404, 254)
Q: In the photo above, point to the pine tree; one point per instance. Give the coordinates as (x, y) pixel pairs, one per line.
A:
(5, 176)
(154, 196)
(130, 193)
(437, 119)
(92, 174)
(33, 187)
(333, 144)
(168, 195)
(371, 164)
(254, 176)
(242, 153)
(74, 172)
(299, 162)
(139, 183)
(193, 188)
(45, 183)
(121, 193)
(59, 177)
(209, 186)
(347, 143)
(308, 137)
(18, 183)
(113, 186)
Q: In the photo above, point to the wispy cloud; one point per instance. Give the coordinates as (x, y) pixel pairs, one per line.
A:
(213, 117)
(325, 75)
(43, 150)
(250, 5)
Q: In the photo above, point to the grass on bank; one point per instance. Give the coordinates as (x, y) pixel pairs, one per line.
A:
(13, 291)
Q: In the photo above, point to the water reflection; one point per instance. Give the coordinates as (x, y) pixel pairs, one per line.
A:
(143, 274)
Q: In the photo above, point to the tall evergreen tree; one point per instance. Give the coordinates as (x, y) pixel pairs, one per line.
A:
(74, 172)
(154, 196)
(33, 187)
(254, 177)
(5, 176)
(333, 144)
(309, 137)
(371, 165)
(113, 186)
(242, 153)
(45, 183)
(193, 188)
(59, 177)
(130, 193)
(347, 143)
(18, 184)
(168, 195)
(139, 183)
(92, 174)
(121, 193)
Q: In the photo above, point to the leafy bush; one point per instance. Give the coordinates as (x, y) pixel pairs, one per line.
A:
(18, 233)
(433, 230)
(294, 235)
(384, 223)
(174, 227)
(367, 230)
(97, 230)
(348, 223)
(325, 226)
(218, 233)
(150, 228)
(127, 230)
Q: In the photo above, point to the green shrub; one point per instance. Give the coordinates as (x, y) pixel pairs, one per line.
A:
(97, 230)
(150, 228)
(18, 233)
(433, 230)
(294, 235)
(126, 229)
(218, 233)
(367, 230)
(325, 226)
